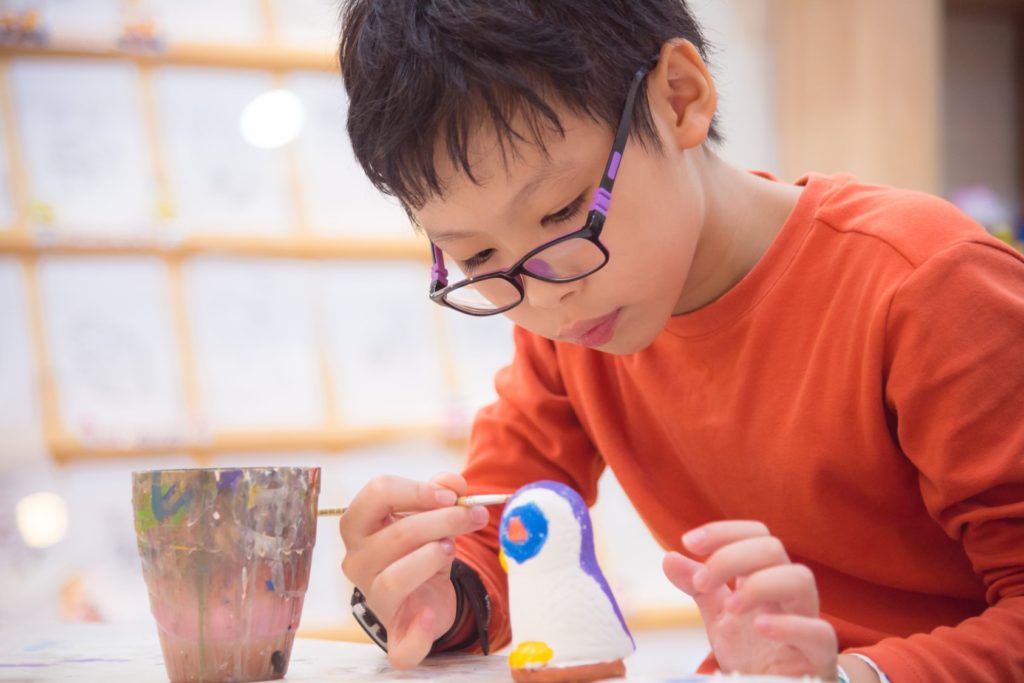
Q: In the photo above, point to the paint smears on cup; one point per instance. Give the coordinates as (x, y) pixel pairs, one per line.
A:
(226, 555)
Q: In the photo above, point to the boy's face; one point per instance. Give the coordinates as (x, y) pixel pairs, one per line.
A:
(651, 230)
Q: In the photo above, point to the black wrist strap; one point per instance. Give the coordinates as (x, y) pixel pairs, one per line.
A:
(473, 597)
(368, 620)
(469, 594)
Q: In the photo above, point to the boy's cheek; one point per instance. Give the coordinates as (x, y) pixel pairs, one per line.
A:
(526, 318)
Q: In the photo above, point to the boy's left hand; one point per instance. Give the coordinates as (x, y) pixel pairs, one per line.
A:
(768, 623)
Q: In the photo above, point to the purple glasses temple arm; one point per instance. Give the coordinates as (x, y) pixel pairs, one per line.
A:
(438, 273)
(603, 196)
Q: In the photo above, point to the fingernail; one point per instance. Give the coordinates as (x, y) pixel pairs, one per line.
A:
(445, 496)
(479, 514)
(694, 538)
(700, 579)
(448, 547)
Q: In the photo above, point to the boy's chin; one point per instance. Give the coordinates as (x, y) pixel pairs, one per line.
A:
(627, 342)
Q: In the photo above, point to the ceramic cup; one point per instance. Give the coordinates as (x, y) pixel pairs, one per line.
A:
(226, 555)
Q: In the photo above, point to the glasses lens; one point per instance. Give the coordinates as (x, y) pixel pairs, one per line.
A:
(485, 296)
(566, 260)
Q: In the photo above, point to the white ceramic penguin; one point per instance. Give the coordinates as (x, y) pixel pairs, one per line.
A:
(566, 625)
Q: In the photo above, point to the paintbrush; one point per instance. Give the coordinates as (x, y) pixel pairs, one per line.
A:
(462, 501)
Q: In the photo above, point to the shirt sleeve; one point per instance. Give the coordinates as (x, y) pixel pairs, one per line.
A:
(530, 433)
(955, 361)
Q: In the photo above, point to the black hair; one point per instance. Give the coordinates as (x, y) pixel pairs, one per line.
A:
(423, 75)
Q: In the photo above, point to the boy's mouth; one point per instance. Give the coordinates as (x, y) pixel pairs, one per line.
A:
(594, 332)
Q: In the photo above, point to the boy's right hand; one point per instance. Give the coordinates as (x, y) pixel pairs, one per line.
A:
(402, 564)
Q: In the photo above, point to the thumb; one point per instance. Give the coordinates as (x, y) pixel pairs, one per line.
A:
(680, 569)
(414, 642)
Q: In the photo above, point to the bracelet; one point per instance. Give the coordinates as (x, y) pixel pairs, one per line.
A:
(470, 594)
(841, 675)
(870, 662)
(368, 620)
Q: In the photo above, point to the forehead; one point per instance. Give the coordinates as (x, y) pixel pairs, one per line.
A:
(501, 171)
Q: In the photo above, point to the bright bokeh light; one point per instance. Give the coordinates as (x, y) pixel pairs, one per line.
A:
(42, 519)
(272, 119)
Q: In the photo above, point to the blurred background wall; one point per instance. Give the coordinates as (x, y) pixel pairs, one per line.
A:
(194, 272)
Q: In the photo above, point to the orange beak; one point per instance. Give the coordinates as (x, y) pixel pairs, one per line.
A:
(516, 532)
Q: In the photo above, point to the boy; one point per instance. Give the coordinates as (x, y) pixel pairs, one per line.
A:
(808, 391)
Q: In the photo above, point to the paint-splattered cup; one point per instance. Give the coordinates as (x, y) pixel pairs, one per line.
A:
(226, 556)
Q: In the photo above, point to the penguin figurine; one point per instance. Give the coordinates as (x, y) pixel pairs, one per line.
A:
(566, 625)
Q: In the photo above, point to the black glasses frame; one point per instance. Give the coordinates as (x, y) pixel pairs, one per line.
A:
(591, 230)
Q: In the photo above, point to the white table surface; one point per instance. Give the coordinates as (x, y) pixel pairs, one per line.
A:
(120, 654)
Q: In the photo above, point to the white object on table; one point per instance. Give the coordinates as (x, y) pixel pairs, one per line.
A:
(125, 654)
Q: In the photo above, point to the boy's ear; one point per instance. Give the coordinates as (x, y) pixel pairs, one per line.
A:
(682, 94)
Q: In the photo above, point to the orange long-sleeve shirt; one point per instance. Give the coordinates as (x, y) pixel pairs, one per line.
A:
(860, 391)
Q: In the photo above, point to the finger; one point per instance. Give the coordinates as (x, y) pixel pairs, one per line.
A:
(814, 638)
(679, 570)
(413, 640)
(412, 531)
(453, 481)
(790, 585)
(708, 538)
(740, 559)
(392, 586)
(406, 534)
(375, 502)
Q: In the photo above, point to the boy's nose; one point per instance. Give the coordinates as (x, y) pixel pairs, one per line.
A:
(547, 295)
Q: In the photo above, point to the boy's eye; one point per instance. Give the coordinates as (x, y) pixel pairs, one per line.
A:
(568, 213)
(565, 214)
(474, 262)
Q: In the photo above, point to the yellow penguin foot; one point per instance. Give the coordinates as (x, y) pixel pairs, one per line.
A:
(530, 654)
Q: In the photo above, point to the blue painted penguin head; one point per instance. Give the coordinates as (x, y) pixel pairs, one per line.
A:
(528, 527)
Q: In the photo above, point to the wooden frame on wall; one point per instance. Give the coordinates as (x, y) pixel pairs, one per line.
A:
(22, 241)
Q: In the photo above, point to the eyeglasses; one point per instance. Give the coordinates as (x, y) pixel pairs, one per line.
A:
(568, 258)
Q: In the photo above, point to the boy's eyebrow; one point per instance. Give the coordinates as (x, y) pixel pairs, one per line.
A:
(542, 176)
(442, 237)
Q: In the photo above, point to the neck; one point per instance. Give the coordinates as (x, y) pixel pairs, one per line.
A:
(743, 214)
